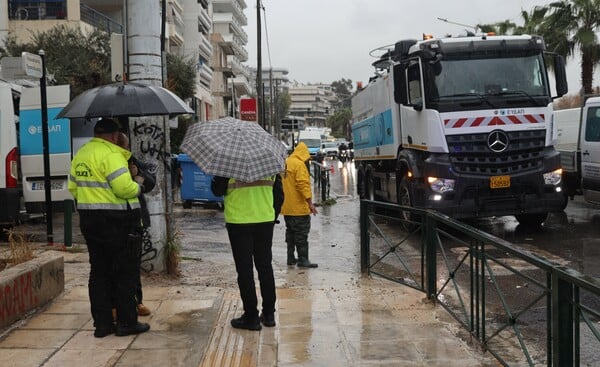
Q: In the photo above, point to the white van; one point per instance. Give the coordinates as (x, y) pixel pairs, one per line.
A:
(31, 148)
(313, 140)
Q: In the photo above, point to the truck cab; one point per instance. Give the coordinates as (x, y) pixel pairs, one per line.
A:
(461, 125)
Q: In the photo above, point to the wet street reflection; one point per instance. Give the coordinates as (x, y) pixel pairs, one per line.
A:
(330, 315)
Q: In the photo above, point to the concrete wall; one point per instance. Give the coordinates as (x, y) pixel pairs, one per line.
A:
(29, 285)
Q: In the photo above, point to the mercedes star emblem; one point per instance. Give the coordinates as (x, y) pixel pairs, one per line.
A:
(497, 140)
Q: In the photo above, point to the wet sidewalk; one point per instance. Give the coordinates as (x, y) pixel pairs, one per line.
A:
(328, 316)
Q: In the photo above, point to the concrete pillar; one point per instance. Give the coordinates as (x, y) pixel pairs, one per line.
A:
(150, 135)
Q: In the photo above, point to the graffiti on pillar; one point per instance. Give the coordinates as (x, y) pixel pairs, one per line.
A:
(152, 144)
(17, 296)
(149, 252)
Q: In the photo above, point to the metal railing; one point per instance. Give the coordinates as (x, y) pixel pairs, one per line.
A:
(99, 20)
(321, 177)
(523, 309)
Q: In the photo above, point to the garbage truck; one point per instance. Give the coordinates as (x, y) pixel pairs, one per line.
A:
(579, 147)
(461, 125)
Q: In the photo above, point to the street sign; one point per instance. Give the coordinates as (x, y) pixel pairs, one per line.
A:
(292, 124)
(248, 109)
(32, 65)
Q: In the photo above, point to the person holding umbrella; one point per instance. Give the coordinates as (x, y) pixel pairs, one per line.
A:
(109, 217)
(246, 162)
(251, 209)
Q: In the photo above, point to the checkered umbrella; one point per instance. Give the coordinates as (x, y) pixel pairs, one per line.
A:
(234, 148)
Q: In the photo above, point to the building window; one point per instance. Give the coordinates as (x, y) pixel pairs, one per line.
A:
(37, 10)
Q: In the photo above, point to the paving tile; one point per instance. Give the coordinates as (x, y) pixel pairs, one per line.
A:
(171, 307)
(312, 354)
(85, 340)
(363, 352)
(66, 306)
(41, 339)
(303, 305)
(83, 357)
(153, 357)
(24, 357)
(57, 321)
(161, 340)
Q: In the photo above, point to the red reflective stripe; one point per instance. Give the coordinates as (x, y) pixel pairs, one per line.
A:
(478, 121)
(531, 119)
(496, 121)
(460, 122)
(514, 119)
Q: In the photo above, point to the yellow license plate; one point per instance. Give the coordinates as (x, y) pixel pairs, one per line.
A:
(499, 182)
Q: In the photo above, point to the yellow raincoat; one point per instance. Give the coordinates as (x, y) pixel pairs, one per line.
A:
(296, 183)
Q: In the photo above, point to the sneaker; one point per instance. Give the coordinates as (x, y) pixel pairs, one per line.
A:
(307, 264)
(142, 310)
(267, 319)
(138, 328)
(292, 261)
(247, 323)
(102, 331)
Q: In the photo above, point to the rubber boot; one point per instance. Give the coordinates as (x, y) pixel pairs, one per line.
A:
(303, 261)
(291, 259)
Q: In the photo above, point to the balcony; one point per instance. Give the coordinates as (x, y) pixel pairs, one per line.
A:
(205, 22)
(231, 6)
(205, 74)
(99, 20)
(205, 48)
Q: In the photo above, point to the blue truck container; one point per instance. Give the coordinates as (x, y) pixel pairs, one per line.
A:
(195, 185)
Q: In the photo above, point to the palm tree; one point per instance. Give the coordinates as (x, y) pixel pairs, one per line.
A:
(571, 25)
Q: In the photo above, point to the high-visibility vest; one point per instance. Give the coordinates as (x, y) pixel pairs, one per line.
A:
(100, 177)
(249, 202)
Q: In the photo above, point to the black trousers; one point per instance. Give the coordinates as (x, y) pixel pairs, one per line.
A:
(113, 244)
(252, 243)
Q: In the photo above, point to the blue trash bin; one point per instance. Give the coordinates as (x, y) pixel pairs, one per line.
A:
(195, 185)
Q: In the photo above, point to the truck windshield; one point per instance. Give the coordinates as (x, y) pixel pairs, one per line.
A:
(312, 143)
(518, 79)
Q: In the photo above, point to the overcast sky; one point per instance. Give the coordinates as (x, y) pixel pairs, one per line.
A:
(326, 40)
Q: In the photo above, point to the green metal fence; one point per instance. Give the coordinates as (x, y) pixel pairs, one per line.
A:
(523, 309)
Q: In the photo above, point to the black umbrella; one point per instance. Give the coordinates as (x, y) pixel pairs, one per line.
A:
(124, 99)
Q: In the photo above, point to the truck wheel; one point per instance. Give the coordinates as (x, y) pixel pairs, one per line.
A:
(565, 201)
(360, 184)
(369, 187)
(187, 204)
(531, 220)
(405, 199)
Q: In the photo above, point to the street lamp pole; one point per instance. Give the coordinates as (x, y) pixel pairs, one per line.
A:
(259, 84)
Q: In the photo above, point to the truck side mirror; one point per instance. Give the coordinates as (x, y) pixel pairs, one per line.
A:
(561, 76)
(400, 95)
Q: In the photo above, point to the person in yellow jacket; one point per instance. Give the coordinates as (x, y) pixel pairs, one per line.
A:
(297, 206)
(109, 217)
(251, 209)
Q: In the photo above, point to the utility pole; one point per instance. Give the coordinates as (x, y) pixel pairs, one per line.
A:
(149, 136)
(271, 104)
(259, 87)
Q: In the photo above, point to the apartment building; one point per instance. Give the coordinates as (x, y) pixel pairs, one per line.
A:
(210, 32)
(231, 77)
(313, 102)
